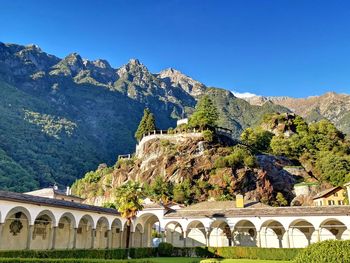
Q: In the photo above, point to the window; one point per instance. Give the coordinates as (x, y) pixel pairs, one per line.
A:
(331, 202)
(335, 194)
(340, 202)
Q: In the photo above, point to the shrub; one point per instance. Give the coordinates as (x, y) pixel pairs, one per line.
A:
(330, 251)
(76, 253)
(239, 252)
(208, 135)
(165, 249)
(68, 260)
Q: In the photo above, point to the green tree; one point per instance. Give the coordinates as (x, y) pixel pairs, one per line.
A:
(147, 124)
(257, 138)
(129, 199)
(160, 190)
(183, 192)
(205, 115)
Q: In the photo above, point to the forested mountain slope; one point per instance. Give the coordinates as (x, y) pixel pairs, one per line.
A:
(60, 118)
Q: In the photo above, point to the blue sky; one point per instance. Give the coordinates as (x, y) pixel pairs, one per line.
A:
(296, 48)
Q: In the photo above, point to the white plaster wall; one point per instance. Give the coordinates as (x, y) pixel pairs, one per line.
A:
(18, 241)
(217, 238)
(195, 237)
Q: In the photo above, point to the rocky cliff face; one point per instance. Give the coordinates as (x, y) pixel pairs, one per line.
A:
(179, 157)
(332, 106)
(43, 96)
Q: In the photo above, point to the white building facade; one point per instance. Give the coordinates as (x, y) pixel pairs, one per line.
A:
(29, 222)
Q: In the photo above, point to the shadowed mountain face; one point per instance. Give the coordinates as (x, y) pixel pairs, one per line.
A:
(60, 118)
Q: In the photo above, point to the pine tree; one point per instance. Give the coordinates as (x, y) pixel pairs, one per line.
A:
(147, 124)
(205, 115)
(150, 123)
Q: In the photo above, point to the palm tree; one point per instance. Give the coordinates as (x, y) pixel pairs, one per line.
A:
(129, 201)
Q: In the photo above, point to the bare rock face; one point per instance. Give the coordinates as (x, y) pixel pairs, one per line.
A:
(175, 78)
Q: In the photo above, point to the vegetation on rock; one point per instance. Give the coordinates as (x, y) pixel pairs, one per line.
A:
(319, 147)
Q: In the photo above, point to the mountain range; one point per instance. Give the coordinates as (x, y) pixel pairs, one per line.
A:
(61, 117)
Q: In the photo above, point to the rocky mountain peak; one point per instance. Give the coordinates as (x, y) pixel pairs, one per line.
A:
(176, 78)
(101, 63)
(134, 62)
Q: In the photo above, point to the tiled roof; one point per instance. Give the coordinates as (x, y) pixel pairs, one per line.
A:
(326, 192)
(210, 205)
(228, 210)
(31, 199)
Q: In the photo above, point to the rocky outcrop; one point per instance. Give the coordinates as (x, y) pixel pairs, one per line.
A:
(179, 157)
(332, 106)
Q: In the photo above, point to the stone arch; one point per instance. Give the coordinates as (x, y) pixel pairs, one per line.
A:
(85, 232)
(245, 234)
(174, 233)
(300, 233)
(16, 229)
(272, 233)
(220, 234)
(152, 232)
(116, 233)
(331, 228)
(195, 234)
(21, 209)
(65, 231)
(101, 233)
(42, 230)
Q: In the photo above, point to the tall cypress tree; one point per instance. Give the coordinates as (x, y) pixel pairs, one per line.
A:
(147, 124)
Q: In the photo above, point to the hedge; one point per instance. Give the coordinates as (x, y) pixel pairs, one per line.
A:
(202, 252)
(70, 260)
(80, 253)
(330, 251)
(239, 252)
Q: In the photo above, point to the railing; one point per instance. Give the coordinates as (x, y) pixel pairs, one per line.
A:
(174, 131)
(124, 156)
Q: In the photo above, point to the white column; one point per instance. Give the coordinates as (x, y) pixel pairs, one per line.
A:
(120, 239)
(141, 239)
(29, 236)
(185, 237)
(287, 237)
(258, 239)
(109, 239)
(74, 238)
(207, 232)
(318, 232)
(53, 237)
(93, 232)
